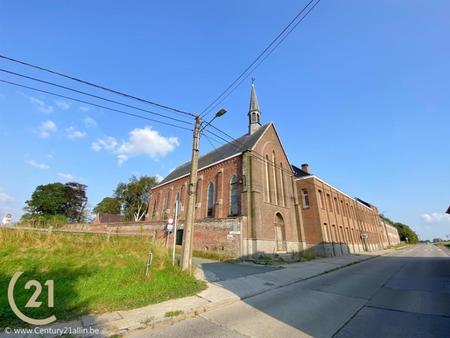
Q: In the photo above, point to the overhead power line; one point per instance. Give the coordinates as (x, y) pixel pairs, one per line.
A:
(96, 85)
(92, 95)
(275, 43)
(95, 105)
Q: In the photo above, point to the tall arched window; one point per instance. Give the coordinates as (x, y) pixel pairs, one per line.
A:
(268, 187)
(164, 208)
(182, 193)
(177, 200)
(234, 197)
(283, 197)
(210, 210)
(275, 181)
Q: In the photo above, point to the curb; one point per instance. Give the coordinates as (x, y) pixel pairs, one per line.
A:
(215, 305)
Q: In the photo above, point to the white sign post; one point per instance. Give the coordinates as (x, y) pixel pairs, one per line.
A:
(175, 233)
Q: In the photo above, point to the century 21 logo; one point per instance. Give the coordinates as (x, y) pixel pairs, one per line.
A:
(32, 302)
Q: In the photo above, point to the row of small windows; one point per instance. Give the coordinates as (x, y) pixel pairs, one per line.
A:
(333, 205)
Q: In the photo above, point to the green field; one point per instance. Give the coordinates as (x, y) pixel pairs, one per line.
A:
(91, 274)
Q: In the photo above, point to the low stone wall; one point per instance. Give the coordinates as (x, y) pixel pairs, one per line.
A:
(221, 236)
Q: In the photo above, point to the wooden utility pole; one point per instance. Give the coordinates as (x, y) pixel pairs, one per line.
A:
(188, 233)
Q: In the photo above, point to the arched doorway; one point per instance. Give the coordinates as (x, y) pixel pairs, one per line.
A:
(280, 235)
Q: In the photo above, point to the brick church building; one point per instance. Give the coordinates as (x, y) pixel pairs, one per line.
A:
(251, 200)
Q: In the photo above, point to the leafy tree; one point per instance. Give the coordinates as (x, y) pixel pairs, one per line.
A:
(134, 196)
(68, 200)
(48, 199)
(76, 201)
(404, 230)
(108, 205)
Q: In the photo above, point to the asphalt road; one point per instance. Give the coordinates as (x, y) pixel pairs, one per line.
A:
(406, 294)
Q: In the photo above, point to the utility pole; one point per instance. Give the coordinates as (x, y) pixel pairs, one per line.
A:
(188, 233)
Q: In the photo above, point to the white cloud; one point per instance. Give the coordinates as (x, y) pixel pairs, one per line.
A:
(63, 105)
(107, 143)
(5, 198)
(66, 177)
(85, 108)
(436, 217)
(159, 178)
(141, 141)
(147, 142)
(42, 106)
(46, 128)
(74, 134)
(89, 122)
(38, 165)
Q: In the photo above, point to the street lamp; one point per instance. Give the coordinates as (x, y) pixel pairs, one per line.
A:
(218, 114)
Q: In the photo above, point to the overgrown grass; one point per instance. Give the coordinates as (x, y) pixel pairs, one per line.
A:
(91, 275)
(398, 246)
(173, 313)
(304, 255)
(214, 255)
(446, 244)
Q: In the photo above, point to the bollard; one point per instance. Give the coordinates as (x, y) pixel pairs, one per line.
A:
(108, 237)
(50, 229)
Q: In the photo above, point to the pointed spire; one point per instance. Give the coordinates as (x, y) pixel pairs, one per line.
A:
(254, 114)
(254, 105)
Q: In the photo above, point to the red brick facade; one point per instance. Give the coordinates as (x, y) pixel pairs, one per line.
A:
(256, 182)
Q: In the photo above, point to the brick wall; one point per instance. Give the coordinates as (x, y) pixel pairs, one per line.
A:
(219, 175)
(212, 235)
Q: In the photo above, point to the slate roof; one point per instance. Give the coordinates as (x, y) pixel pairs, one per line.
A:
(448, 210)
(299, 172)
(226, 151)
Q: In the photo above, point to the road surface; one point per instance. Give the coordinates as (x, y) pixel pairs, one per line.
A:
(406, 294)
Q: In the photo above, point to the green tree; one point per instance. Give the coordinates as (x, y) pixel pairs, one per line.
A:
(404, 230)
(48, 199)
(108, 205)
(76, 201)
(68, 200)
(135, 195)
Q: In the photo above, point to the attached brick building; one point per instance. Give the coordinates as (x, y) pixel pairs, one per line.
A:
(250, 200)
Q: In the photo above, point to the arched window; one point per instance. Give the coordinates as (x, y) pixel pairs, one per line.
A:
(164, 208)
(305, 198)
(210, 210)
(177, 200)
(155, 206)
(198, 191)
(320, 200)
(283, 197)
(275, 181)
(182, 193)
(234, 196)
(268, 187)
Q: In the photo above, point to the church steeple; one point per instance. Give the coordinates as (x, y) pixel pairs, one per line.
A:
(254, 114)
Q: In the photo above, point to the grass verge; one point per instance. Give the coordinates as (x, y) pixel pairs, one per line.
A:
(91, 275)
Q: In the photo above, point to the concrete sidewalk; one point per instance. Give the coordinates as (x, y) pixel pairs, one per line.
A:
(217, 294)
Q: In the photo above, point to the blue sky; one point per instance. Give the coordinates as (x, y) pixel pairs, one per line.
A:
(359, 91)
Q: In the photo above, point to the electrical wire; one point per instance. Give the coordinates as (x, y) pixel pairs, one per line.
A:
(261, 56)
(96, 85)
(94, 104)
(92, 95)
